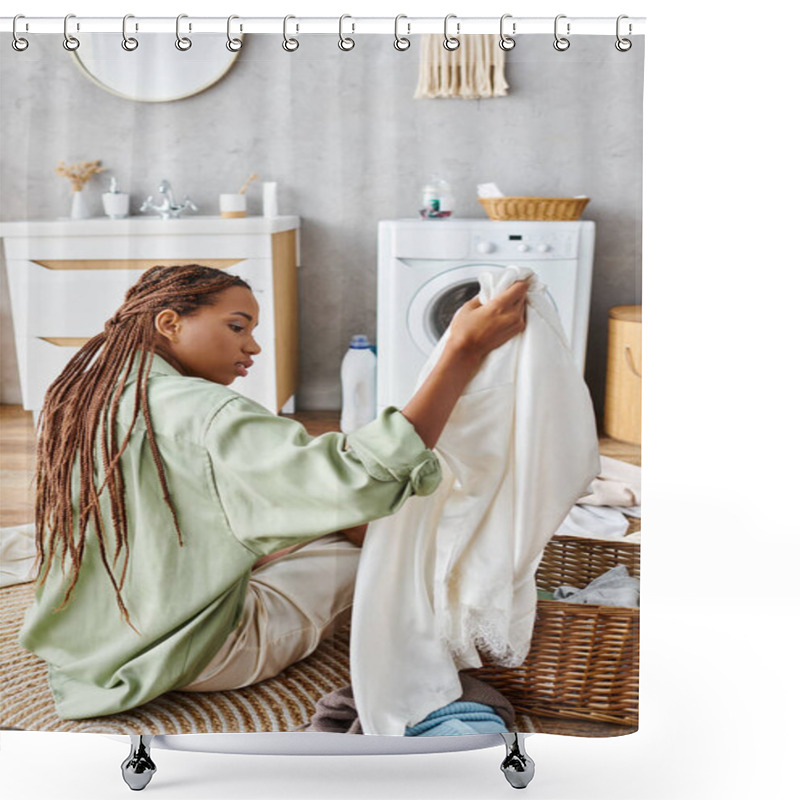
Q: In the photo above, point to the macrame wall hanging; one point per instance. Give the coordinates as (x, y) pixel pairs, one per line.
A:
(476, 69)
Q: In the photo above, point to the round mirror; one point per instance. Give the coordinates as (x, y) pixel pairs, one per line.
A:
(156, 71)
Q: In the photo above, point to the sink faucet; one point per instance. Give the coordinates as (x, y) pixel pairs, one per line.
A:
(168, 209)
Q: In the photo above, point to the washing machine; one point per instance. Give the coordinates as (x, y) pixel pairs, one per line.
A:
(428, 268)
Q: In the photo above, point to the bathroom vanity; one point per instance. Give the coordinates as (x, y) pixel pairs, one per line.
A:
(67, 277)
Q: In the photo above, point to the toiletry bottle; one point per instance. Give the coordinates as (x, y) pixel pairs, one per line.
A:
(430, 200)
(358, 385)
(437, 199)
(115, 202)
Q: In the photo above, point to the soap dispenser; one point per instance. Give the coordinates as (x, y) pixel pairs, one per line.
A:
(115, 202)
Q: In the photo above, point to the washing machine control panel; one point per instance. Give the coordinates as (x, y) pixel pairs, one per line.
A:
(531, 245)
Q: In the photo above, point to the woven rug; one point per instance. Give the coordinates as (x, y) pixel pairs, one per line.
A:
(283, 703)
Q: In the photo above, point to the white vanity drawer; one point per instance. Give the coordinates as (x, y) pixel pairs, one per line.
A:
(50, 360)
(77, 302)
(67, 279)
(195, 237)
(64, 302)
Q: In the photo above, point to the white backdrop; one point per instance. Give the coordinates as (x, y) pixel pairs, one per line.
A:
(719, 712)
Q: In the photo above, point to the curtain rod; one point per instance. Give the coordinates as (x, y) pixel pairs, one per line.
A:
(631, 26)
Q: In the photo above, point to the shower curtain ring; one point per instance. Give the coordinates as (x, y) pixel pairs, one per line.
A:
(345, 42)
(561, 43)
(507, 42)
(400, 42)
(233, 44)
(623, 45)
(451, 42)
(128, 42)
(70, 42)
(18, 43)
(289, 44)
(183, 43)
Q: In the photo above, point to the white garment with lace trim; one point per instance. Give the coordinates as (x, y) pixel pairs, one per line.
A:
(453, 573)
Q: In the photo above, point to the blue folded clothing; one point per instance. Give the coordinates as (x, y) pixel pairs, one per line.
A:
(459, 718)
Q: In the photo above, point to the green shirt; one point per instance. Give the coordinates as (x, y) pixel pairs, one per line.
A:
(244, 483)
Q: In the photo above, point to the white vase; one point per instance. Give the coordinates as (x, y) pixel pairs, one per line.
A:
(80, 209)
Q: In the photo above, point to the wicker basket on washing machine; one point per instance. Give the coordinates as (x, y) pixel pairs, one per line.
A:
(584, 659)
(552, 209)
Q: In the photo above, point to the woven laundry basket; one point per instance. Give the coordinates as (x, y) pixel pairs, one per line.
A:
(553, 209)
(584, 659)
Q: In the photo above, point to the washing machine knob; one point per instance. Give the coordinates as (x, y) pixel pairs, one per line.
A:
(543, 248)
(523, 248)
(485, 247)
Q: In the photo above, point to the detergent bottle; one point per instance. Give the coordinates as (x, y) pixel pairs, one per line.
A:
(358, 385)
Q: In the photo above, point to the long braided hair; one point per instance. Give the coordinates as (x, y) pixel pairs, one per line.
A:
(87, 393)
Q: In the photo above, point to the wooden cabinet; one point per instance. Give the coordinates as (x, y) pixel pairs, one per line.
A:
(66, 278)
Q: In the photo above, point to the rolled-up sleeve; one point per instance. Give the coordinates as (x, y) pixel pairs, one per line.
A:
(277, 484)
(391, 450)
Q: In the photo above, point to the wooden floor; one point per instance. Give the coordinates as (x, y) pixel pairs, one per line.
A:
(17, 459)
(18, 449)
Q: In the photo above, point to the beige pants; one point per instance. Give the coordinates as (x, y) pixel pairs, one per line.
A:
(292, 604)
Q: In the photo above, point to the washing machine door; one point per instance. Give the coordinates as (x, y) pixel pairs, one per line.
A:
(434, 305)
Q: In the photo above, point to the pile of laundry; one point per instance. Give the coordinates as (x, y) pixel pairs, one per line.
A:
(17, 554)
(480, 709)
(614, 495)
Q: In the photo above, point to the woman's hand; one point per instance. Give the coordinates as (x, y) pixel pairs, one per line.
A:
(477, 329)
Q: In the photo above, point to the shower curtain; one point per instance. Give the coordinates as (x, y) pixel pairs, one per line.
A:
(279, 165)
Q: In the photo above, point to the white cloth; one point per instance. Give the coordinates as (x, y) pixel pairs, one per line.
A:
(614, 495)
(17, 554)
(454, 572)
(618, 484)
(594, 522)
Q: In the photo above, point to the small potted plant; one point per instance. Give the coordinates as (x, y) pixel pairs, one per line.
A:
(79, 175)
